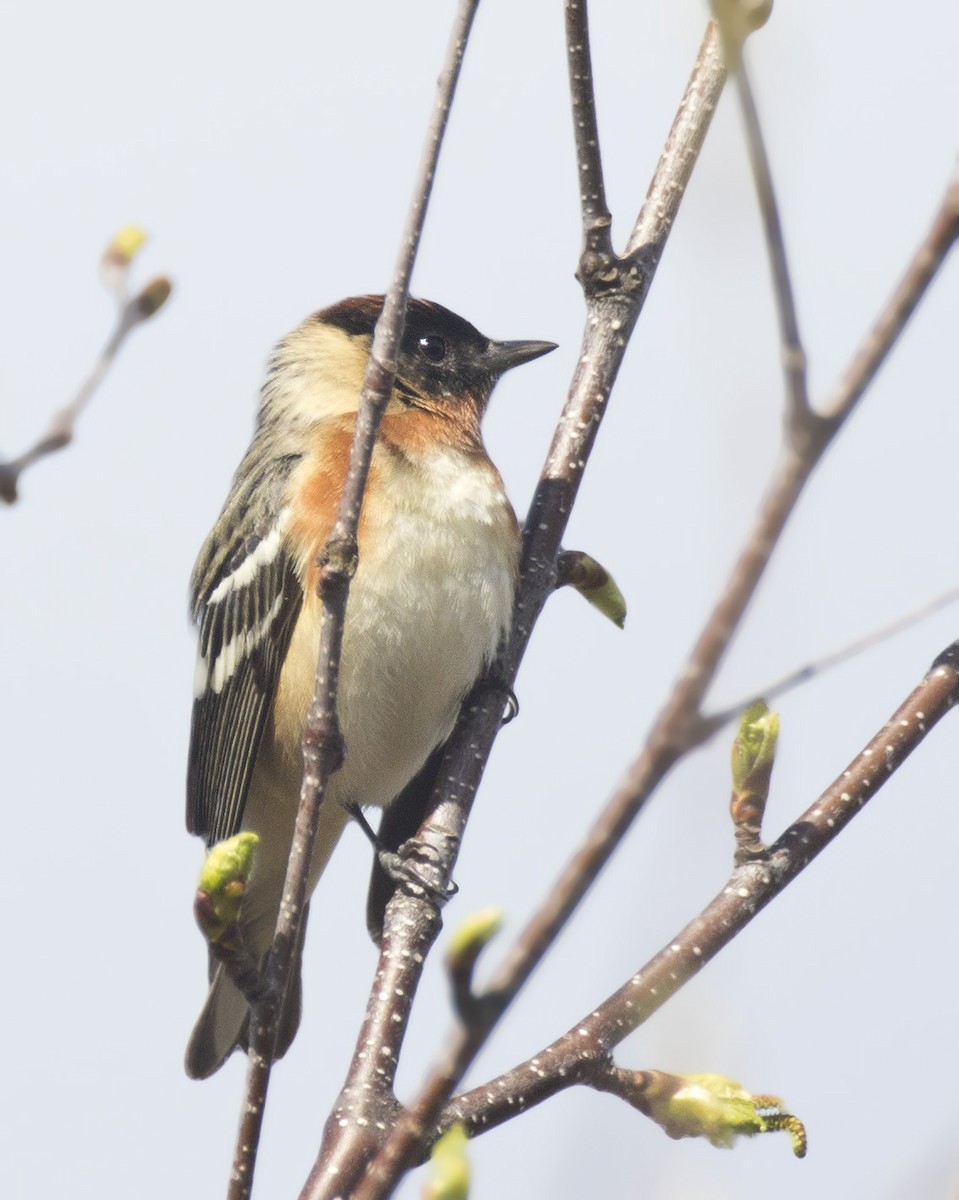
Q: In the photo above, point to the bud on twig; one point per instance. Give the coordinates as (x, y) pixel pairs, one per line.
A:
(739, 18)
(114, 270)
(594, 583)
(449, 1177)
(754, 752)
(117, 257)
(219, 899)
(226, 872)
(714, 1107)
(467, 945)
(153, 297)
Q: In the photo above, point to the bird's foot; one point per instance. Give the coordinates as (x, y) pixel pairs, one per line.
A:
(412, 867)
(495, 681)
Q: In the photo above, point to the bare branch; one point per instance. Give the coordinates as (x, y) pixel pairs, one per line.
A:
(834, 658)
(597, 223)
(322, 744)
(676, 163)
(133, 311)
(736, 21)
(569, 1060)
(356, 1130)
(884, 334)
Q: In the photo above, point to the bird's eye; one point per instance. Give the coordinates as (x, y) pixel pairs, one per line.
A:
(434, 347)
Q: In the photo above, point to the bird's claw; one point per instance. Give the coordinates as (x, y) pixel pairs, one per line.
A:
(405, 869)
(401, 867)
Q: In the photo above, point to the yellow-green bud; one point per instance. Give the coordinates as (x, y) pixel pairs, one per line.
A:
(473, 934)
(594, 583)
(719, 1109)
(449, 1177)
(226, 872)
(754, 750)
(124, 247)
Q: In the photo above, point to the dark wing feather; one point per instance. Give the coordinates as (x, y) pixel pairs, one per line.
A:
(246, 598)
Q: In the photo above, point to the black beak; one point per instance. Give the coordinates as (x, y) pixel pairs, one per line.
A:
(502, 356)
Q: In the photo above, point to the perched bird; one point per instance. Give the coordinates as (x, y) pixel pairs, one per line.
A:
(429, 604)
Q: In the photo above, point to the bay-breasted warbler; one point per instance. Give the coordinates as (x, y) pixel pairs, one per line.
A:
(430, 602)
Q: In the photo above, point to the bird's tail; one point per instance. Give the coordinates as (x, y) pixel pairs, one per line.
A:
(223, 1024)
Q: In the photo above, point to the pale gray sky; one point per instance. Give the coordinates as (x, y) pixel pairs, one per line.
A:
(270, 151)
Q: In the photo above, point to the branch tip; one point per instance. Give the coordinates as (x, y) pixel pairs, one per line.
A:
(594, 583)
(224, 876)
(114, 271)
(469, 941)
(739, 18)
(124, 246)
(753, 758)
(947, 658)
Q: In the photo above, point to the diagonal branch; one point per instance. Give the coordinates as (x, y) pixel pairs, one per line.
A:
(736, 20)
(875, 346)
(574, 1057)
(835, 658)
(322, 744)
(680, 154)
(133, 311)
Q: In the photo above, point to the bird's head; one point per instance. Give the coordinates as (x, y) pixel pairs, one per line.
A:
(445, 366)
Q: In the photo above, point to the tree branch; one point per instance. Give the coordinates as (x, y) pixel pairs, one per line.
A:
(575, 1057)
(834, 658)
(131, 312)
(322, 743)
(597, 254)
(876, 345)
(737, 19)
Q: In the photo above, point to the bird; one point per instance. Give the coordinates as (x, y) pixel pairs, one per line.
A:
(429, 605)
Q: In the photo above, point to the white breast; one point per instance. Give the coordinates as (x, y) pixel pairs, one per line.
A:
(431, 599)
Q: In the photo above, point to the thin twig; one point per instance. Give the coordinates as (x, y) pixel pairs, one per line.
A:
(878, 342)
(597, 223)
(322, 745)
(680, 153)
(818, 666)
(734, 27)
(568, 1060)
(132, 312)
